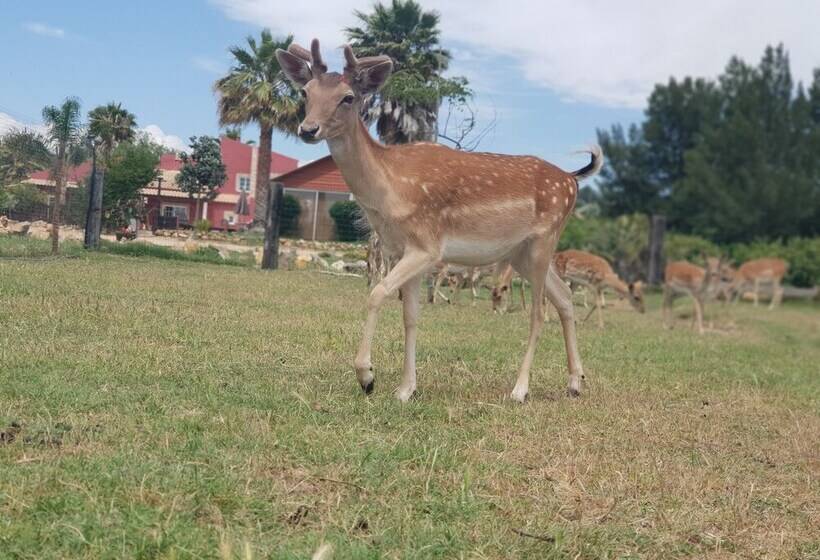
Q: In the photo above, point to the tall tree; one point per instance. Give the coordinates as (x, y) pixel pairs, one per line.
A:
(111, 124)
(202, 171)
(255, 91)
(626, 186)
(750, 176)
(406, 109)
(65, 131)
(21, 153)
(132, 166)
(732, 160)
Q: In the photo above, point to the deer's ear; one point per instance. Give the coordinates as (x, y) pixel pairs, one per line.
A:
(296, 69)
(371, 78)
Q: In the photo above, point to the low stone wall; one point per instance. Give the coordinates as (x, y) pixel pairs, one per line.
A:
(38, 229)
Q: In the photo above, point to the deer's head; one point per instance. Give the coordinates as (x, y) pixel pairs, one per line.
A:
(636, 296)
(332, 100)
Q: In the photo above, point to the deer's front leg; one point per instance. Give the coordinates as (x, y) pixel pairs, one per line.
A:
(410, 308)
(412, 264)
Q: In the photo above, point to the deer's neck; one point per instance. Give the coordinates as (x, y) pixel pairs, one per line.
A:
(616, 284)
(358, 157)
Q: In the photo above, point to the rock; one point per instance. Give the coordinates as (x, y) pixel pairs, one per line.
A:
(190, 247)
(17, 228)
(40, 230)
(338, 266)
(356, 267)
(302, 262)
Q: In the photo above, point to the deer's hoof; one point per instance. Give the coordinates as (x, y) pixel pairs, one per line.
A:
(519, 395)
(405, 394)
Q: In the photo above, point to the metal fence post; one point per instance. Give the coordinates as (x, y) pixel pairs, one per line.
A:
(273, 221)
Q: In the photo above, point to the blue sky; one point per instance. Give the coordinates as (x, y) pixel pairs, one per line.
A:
(549, 81)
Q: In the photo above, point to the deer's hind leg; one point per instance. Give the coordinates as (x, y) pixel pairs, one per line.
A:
(560, 296)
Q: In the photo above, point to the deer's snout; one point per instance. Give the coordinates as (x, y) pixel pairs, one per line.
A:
(308, 131)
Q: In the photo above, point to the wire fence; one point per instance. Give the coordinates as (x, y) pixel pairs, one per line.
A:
(28, 211)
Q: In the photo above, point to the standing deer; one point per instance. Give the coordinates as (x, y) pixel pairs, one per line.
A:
(683, 277)
(430, 203)
(586, 269)
(758, 271)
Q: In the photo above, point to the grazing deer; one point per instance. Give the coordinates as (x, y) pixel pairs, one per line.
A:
(685, 278)
(759, 271)
(457, 277)
(503, 285)
(430, 203)
(585, 269)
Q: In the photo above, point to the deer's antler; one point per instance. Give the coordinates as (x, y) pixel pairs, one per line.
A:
(312, 56)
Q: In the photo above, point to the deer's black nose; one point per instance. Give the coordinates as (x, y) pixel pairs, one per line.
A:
(308, 131)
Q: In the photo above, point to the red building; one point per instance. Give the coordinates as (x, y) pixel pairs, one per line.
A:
(317, 185)
(240, 165)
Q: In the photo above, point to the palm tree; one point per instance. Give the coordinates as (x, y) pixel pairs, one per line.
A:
(256, 90)
(406, 110)
(111, 124)
(65, 131)
(21, 153)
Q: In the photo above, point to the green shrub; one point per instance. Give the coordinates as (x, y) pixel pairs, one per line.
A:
(692, 248)
(622, 241)
(346, 216)
(802, 254)
(22, 197)
(291, 209)
(202, 226)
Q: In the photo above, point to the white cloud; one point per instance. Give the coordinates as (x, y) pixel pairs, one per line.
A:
(168, 140)
(9, 123)
(607, 53)
(45, 30)
(209, 65)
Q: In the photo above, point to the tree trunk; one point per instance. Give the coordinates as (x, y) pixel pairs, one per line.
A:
(59, 181)
(657, 227)
(273, 221)
(263, 172)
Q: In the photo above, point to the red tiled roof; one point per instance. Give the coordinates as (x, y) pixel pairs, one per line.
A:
(319, 175)
(73, 174)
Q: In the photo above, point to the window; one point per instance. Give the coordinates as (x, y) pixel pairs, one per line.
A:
(180, 212)
(243, 183)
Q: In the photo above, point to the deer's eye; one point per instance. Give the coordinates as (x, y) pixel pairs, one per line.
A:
(347, 99)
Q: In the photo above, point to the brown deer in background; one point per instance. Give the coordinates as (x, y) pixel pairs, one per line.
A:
(430, 203)
(585, 269)
(760, 271)
(685, 278)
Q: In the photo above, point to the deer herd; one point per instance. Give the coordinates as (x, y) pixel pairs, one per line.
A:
(463, 217)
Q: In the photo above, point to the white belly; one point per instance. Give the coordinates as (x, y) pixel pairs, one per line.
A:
(477, 252)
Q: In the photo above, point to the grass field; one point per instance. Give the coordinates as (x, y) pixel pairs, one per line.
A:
(162, 409)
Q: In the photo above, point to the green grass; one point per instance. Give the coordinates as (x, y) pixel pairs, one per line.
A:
(22, 247)
(182, 410)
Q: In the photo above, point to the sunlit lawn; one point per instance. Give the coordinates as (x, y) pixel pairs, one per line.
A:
(186, 410)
